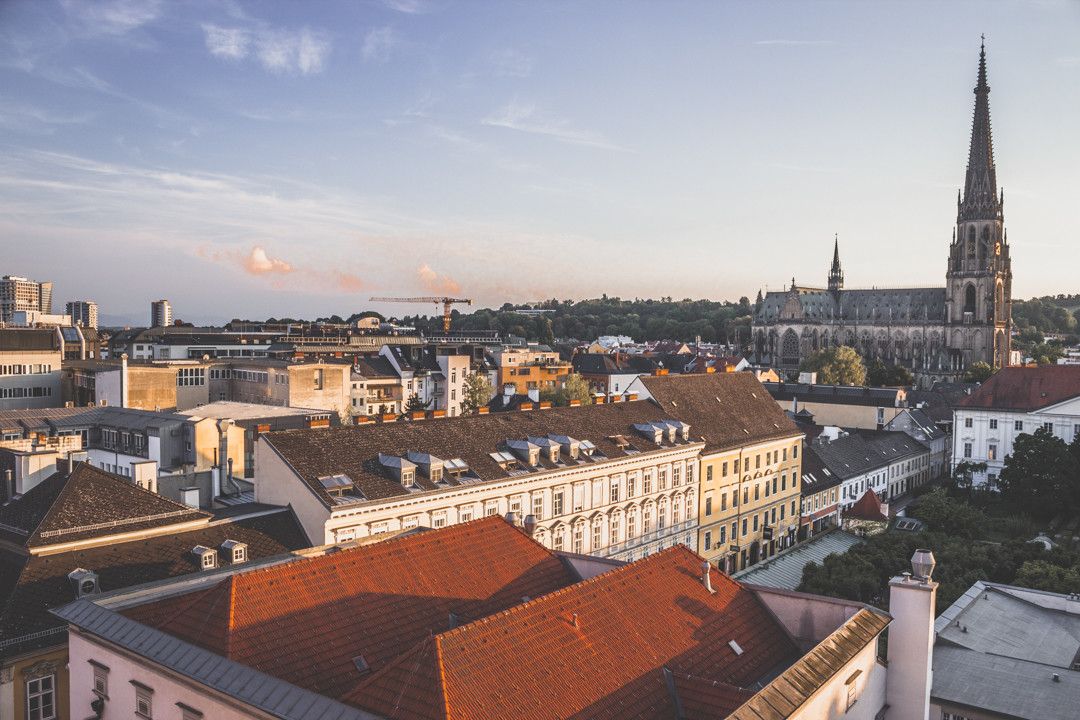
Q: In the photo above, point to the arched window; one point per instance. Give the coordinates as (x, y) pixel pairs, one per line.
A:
(971, 242)
(969, 299)
(789, 348)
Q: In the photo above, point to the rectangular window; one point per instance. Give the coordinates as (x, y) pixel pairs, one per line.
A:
(538, 507)
(438, 519)
(723, 469)
(735, 466)
(744, 524)
(101, 680)
(967, 450)
(676, 476)
(708, 473)
(1018, 425)
(557, 504)
(735, 531)
(723, 501)
(755, 522)
(967, 422)
(708, 506)
(491, 507)
(661, 479)
(723, 536)
(41, 698)
(614, 490)
(993, 424)
(646, 484)
(795, 451)
(757, 461)
(757, 491)
(465, 514)
(708, 540)
(631, 485)
(991, 452)
(1048, 426)
(144, 700)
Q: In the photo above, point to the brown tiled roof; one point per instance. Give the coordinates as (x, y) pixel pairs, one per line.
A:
(85, 503)
(727, 409)
(1026, 388)
(868, 507)
(612, 635)
(31, 585)
(306, 621)
(354, 450)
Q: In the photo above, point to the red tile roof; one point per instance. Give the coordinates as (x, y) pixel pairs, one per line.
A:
(868, 507)
(596, 649)
(306, 621)
(1026, 388)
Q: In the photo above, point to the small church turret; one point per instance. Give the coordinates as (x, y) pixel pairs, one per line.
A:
(836, 274)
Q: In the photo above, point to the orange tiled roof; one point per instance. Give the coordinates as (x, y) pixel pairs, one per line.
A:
(306, 621)
(596, 649)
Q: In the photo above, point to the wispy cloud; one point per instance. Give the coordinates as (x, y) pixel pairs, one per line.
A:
(378, 44)
(112, 17)
(437, 283)
(302, 51)
(509, 62)
(524, 117)
(409, 7)
(793, 42)
(25, 117)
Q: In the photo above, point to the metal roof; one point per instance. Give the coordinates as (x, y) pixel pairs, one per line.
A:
(998, 648)
(784, 571)
(269, 694)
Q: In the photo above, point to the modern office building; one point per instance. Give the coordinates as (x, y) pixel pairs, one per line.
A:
(19, 293)
(83, 312)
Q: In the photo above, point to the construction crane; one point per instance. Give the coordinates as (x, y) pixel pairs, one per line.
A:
(446, 303)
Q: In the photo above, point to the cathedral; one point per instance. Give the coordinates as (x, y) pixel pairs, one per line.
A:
(935, 332)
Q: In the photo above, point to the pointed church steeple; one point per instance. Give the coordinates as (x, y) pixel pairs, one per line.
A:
(980, 186)
(836, 274)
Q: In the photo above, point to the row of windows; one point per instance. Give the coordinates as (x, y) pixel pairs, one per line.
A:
(26, 369)
(772, 456)
(255, 376)
(144, 698)
(749, 525)
(770, 489)
(25, 392)
(190, 377)
(1018, 425)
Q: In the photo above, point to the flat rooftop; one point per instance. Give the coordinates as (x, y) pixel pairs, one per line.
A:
(228, 409)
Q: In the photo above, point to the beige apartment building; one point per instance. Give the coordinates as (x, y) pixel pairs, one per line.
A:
(30, 368)
(750, 466)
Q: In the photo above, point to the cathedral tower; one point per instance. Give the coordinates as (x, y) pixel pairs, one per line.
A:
(978, 294)
(836, 275)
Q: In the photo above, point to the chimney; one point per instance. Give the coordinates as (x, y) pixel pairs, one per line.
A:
(513, 519)
(912, 601)
(530, 525)
(123, 380)
(705, 579)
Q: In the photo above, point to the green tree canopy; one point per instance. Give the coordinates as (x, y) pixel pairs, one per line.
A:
(476, 392)
(1041, 477)
(837, 366)
(978, 372)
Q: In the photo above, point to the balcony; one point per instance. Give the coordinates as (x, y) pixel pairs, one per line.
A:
(646, 538)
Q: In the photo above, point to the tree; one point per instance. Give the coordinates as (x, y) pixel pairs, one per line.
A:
(1045, 575)
(475, 393)
(837, 366)
(878, 374)
(577, 388)
(1041, 476)
(415, 404)
(978, 372)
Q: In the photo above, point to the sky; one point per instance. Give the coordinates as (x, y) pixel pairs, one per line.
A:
(256, 159)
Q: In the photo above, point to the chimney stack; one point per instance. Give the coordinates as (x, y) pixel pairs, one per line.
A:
(705, 576)
(530, 525)
(912, 603)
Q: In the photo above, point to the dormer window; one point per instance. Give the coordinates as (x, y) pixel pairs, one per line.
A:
(206, 557)
(506, 461)
(399, 468)
(408, 477)
(338, 486)
(650, 431)
(526, 451)
(236, 551)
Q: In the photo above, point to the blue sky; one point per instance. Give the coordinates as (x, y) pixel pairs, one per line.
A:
(293, 158)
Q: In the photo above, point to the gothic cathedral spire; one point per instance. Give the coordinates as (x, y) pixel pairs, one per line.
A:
(836, 275)
(981, 201)
(979, 278)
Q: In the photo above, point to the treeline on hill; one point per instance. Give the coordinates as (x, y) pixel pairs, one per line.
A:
(714, 321)
(663, 319)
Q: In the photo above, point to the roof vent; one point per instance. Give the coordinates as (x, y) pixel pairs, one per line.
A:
(83, 582)
(207, 557)
(735, 647)
(236, 551)
(361, 664)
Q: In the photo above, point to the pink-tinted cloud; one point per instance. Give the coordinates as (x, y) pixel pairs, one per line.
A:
(435, 283)
(282, 274)
(259, 263)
